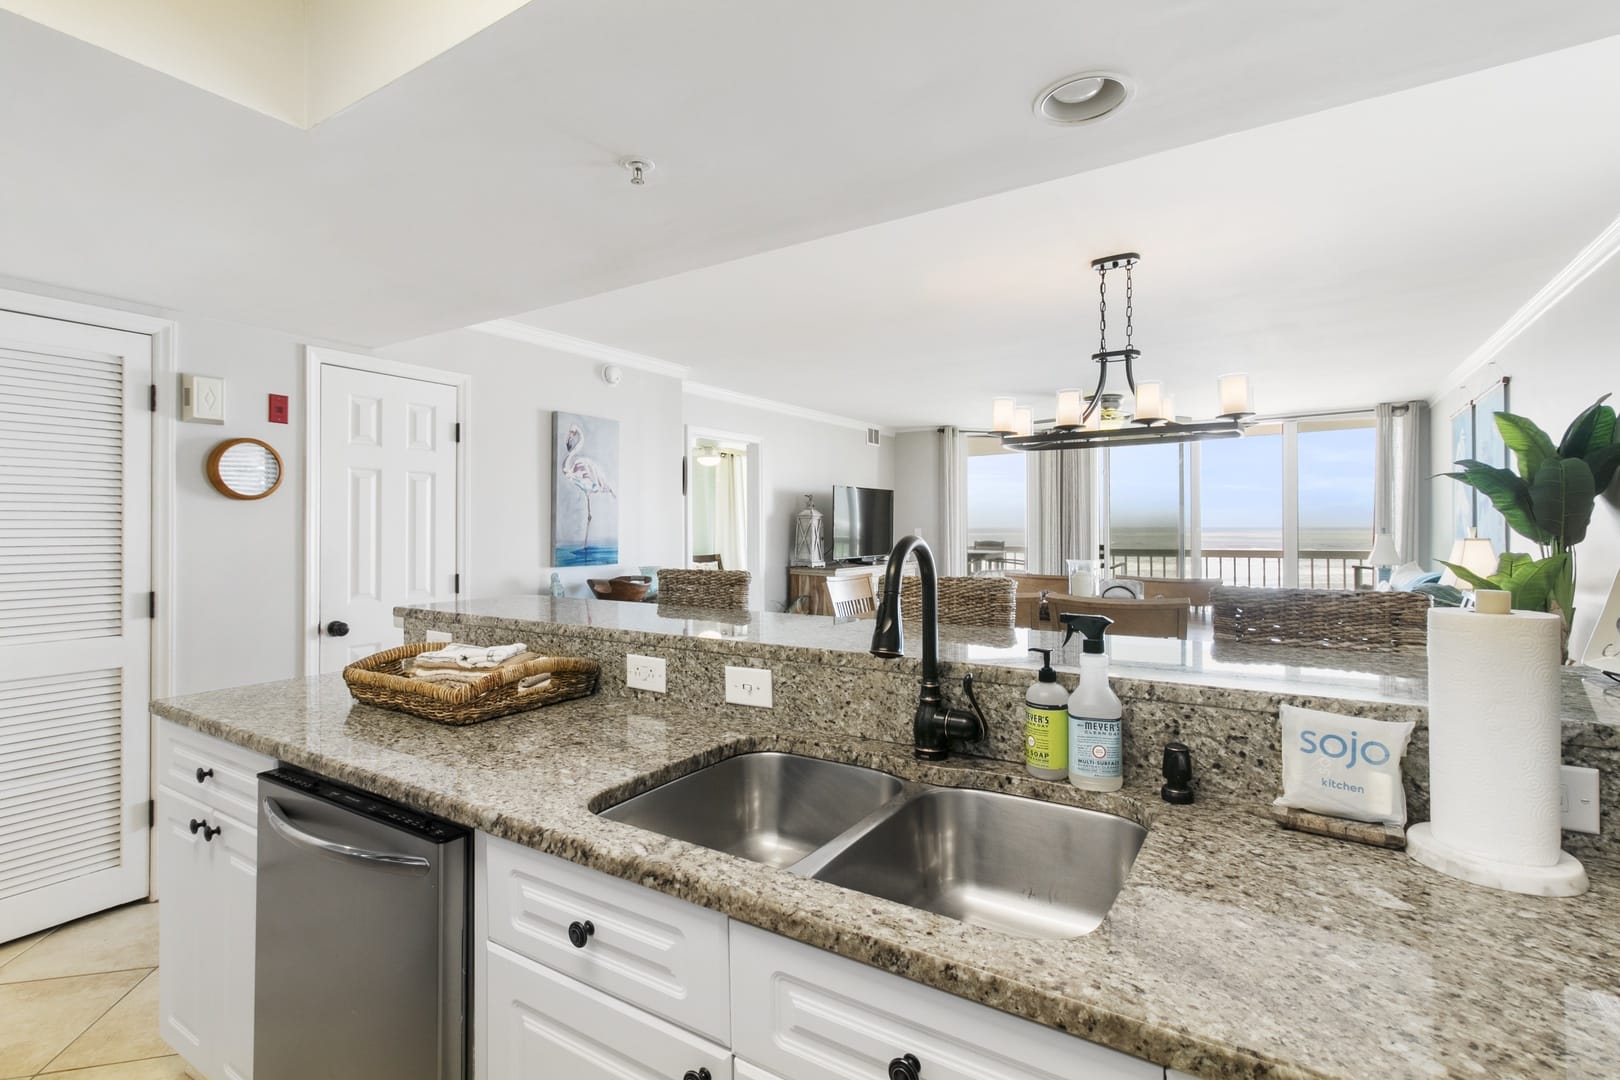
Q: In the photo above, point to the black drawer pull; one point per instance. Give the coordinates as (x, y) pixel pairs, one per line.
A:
(579, 933)
(203, 774)
(905, 1067)
(696, 1074)
(208, 831)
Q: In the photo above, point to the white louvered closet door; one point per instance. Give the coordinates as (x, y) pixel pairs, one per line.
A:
(75, 637)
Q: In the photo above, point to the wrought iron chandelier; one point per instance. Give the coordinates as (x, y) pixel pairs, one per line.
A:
(1101, 419)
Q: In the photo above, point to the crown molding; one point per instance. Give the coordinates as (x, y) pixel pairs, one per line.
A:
(593, 350)
(1566, 281)
(749, 401)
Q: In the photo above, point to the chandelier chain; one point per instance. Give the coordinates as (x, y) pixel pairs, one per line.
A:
(1130, 296)
(1102, 311)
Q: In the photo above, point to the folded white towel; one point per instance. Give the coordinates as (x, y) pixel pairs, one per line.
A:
(534, 682)
(473, 656)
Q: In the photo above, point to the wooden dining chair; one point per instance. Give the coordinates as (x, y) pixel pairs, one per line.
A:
(852, 596)
(708, 560)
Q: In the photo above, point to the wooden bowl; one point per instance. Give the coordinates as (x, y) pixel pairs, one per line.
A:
(629, 587)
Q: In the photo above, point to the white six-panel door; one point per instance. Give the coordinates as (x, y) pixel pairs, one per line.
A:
(387, 505)
(75, 634)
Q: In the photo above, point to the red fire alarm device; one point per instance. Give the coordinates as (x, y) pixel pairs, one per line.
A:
(278, 408)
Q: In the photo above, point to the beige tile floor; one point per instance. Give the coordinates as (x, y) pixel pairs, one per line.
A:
(80, 1002)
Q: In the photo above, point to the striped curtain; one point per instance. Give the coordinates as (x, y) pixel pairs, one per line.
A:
(1061, 509)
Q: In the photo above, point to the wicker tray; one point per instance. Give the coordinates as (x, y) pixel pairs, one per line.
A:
(380, 680)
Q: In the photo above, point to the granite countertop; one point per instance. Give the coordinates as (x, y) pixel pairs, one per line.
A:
(1236, 949)
(1341, 673)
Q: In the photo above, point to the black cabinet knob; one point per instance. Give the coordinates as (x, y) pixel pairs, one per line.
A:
(1177, 774)
(696, 1074)
(337, 628)
(905, 1067)
(203, 774)
(208, 831)
(580, 932)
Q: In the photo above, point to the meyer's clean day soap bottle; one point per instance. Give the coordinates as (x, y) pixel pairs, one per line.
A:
(1096, 718)
(1046, 724)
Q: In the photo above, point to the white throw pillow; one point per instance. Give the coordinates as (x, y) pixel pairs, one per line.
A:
(1402, 577)
(1343, 766)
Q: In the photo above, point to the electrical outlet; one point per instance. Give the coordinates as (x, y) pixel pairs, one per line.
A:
(644, 673)
(748, 686)
(1578, 799)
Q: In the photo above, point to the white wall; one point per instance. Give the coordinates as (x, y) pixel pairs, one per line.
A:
(799, 457)
(516, 386)
(1560, 365)
(916, 498)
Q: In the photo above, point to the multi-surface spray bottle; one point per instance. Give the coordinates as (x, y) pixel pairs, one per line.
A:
(1046, 724)
(1096, 718)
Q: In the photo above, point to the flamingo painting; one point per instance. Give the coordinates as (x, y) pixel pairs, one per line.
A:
(584, 502)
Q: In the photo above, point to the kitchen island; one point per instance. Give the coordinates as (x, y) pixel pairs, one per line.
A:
(1235, 949)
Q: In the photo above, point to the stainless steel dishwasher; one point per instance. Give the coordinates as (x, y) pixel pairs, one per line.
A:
(361, 955)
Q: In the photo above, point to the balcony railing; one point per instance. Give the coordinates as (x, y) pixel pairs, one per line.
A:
(1262, 567)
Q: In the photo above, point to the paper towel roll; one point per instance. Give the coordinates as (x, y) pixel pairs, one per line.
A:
(1494, 734)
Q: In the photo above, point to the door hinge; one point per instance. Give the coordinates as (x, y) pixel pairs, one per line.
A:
(151, 605)
(458, 431)
(684, 492)
(154, 397)
(151, 813)
(455, 585)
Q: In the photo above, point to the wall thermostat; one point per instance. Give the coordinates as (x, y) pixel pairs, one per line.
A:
(202, 399)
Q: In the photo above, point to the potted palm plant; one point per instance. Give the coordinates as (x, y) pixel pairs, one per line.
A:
(1547, 499)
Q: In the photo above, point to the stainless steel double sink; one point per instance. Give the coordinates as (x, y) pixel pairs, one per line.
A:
(1034, 869)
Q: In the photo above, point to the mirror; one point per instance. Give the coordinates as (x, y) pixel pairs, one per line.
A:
(244, 469)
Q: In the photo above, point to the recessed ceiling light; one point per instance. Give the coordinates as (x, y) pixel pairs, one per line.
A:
(1079, 98)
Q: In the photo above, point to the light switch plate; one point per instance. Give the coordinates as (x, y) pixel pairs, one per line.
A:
(202, 399)
(1578, 799)
(645, 673)
(748, 686)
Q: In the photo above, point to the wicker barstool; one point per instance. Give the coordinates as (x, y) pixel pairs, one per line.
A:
(723, 589)
(1373, 621)
(964, 601)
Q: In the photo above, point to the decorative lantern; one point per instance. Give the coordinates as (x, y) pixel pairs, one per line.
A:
(807, 536)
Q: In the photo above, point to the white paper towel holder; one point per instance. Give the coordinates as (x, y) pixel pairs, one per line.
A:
(1566, 877)
(1493, 805)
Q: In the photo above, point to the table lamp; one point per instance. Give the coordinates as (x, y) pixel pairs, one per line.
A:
(1472, 552)
(1383, 555)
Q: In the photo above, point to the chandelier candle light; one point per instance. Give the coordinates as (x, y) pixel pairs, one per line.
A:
(1098, 420)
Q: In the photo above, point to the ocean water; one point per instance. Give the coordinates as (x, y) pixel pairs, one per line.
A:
(595, 555)
(1347, 538)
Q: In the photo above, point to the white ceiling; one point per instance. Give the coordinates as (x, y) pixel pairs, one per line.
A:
(486, 181)
(1353, 256)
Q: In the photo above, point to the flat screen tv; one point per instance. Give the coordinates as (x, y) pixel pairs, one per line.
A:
(862, 523)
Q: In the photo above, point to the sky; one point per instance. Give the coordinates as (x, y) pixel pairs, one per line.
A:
(1242, 484)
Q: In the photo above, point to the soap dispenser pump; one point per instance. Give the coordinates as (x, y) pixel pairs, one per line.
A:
(1046, 724)
(1096, 718)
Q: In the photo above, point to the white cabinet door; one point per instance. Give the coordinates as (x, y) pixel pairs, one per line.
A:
(806, 1014)
(205, 936)
(546, 1026)
(235, 886)
(185, 940)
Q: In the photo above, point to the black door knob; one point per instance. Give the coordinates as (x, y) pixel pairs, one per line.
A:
(696, 1074)
(203, 774)
(580, 932)
(337, 628)
(905, 1067)
(208, 831)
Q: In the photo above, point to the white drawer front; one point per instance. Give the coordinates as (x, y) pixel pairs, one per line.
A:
(546, 1026)
(805, 1014)
(658, 953)
(744, 1071)
(229, 773)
